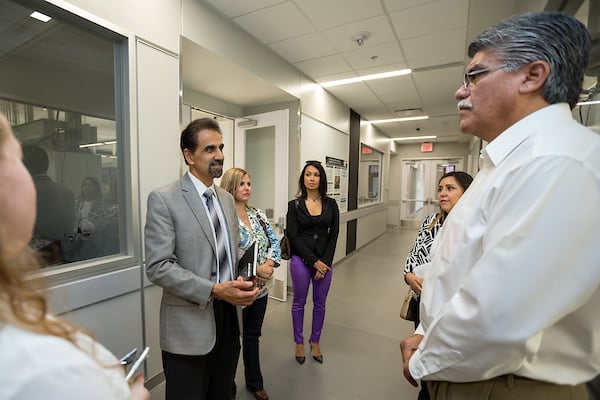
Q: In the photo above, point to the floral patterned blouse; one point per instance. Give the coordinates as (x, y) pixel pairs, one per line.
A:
(263, 235)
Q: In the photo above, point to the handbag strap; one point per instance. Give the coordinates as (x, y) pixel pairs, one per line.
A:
(264, 226)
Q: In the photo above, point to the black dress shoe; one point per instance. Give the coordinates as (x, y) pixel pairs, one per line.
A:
(300, 359)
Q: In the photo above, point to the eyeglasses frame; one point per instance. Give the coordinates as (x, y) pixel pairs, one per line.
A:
(467, 76)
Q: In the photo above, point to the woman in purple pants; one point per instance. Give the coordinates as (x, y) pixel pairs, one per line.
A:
(312, 227)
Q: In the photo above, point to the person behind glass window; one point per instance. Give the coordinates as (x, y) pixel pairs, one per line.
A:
(509, 305)
(192, 241)
(312, 227)
(55, 215)
(91, 209)
(451, 187)
(254, 228)
(96, 224)
(43, 357)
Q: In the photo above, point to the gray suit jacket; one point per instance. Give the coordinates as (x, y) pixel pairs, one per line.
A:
(180, 257)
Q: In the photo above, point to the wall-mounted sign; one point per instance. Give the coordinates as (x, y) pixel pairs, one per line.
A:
(426, 147)
(367, 150)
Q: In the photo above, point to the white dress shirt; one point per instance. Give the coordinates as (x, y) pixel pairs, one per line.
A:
(514, 281)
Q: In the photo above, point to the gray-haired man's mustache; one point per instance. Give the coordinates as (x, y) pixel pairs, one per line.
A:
(464, 104)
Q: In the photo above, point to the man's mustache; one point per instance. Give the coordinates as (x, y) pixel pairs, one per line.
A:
(464, 104)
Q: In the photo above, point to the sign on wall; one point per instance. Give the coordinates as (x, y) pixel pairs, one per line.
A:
(337, 181)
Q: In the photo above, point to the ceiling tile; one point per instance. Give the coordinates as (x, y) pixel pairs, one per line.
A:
(303, 48)
(329, 13)
(343, 37)
(437, 49)
(235, 8)
(323, 66)
(395, 5)
(396, 90)
(367, 57)
(358, 94)
(437, 89)
(276, 23)
(430, 18)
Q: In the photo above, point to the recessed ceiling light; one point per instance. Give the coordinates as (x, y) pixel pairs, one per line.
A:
(40, 17)
(366, 78)
(383, 121)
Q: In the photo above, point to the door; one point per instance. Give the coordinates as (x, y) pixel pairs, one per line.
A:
(261, 148)
(419, 188)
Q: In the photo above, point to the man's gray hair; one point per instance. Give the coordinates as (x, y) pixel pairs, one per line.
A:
(556, 38)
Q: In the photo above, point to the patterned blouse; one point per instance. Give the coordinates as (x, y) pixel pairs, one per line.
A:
(420, 253)
(257, 234)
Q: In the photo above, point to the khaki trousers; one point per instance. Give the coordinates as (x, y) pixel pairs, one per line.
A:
(506, 387)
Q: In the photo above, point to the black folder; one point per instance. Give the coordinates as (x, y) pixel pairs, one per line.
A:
(247, 264)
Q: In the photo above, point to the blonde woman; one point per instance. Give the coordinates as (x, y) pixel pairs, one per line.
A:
(254, 228)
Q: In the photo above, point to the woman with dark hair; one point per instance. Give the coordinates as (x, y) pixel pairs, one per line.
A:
(451, 187)
(312, 227)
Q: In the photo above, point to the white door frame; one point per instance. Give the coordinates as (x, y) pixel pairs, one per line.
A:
(280, 120)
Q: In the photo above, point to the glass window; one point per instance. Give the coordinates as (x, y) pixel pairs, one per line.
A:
(62, 105)
(369, 176)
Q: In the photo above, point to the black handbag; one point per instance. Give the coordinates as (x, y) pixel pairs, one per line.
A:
(286, 246)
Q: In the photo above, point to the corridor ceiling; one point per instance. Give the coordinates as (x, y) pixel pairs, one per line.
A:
(319, 37)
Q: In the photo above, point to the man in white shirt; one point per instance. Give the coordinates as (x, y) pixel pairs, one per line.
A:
(509, 308)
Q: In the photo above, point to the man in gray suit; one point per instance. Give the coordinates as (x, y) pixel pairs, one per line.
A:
(199, 333)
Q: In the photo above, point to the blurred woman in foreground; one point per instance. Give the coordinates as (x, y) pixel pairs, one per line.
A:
(42, 357)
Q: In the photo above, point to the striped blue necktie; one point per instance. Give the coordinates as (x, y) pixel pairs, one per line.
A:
(223, 260)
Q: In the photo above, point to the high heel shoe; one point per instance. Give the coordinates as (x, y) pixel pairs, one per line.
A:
(300, 359)
(318, 358)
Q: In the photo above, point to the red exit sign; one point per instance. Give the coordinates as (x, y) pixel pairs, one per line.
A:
(367, 150)
(426, 147)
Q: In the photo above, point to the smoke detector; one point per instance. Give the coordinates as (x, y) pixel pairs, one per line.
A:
(360, 37)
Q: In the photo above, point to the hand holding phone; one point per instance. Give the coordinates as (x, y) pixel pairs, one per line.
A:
(137, 364)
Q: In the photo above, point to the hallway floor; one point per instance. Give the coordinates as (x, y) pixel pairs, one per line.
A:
(361, 337)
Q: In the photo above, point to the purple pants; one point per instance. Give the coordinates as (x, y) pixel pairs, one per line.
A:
(301, 277)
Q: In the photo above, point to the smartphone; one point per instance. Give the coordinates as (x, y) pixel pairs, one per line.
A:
(128, 358)
(137, 364)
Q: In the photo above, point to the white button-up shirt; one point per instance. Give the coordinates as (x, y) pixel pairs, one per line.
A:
(514, 281)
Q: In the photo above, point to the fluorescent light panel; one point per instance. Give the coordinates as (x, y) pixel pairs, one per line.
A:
(40, 17)
(383, 121)
(81, 146)
(366, 78)
(415, 138)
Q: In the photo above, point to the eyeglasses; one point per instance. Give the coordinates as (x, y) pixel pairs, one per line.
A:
(467, 77)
